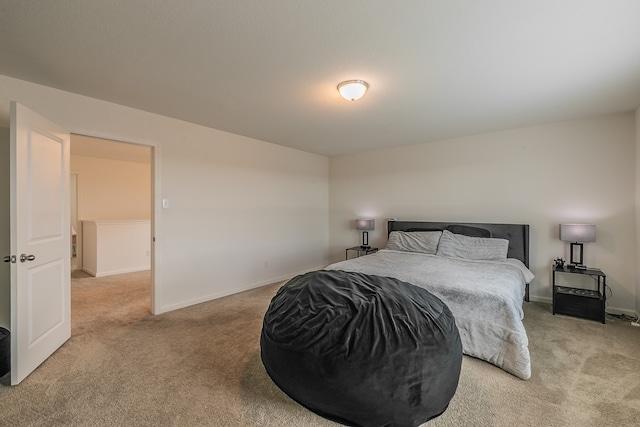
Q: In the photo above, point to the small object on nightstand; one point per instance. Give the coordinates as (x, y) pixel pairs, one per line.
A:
(360, 250)
(558, 262)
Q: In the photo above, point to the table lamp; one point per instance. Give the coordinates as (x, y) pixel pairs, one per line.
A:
(577, 234)
(365, 225)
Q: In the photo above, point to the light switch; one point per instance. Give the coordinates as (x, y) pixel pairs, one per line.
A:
(165, 203)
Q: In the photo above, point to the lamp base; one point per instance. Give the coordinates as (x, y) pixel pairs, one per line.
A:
(365, 240)
(576, 254)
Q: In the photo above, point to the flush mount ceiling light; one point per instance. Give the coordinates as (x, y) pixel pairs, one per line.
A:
(352, 90)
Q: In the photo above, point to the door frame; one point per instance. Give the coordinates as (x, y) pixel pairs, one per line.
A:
(155, 192)
(78, 215)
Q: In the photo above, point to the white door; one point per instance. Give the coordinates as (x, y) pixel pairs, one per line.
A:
(40, 240)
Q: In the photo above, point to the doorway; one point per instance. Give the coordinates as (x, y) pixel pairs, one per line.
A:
(111, 187)
(39, 205)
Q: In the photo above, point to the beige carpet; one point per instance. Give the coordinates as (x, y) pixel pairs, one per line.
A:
(200, 366)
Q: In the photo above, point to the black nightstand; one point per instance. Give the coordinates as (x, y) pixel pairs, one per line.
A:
(579, 302)
(359, 250)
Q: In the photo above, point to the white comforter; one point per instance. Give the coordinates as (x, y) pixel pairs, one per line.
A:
(485, 298)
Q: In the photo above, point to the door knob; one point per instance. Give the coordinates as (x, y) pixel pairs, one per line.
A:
(25, 257)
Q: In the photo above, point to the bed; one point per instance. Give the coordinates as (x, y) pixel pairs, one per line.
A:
(479, 270)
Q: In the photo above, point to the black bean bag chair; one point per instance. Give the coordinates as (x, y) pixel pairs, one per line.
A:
(362, 350)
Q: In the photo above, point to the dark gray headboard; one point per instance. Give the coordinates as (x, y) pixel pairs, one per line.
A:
(517, 234)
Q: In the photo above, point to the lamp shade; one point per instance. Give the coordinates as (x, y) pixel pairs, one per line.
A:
(352, 90)
(365, 224)
(578, 233)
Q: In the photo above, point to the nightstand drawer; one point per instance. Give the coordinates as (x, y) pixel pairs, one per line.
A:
(572, 305)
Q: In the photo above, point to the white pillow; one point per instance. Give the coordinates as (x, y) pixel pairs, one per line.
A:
(425, 242)
(475, 248)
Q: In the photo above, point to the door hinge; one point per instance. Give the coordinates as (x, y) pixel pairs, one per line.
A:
(10, 258)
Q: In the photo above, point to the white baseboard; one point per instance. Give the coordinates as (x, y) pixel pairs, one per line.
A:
(114, 272)
(216, 295)
(545, 300)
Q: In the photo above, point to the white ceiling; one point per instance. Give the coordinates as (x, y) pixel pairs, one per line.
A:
(268, 70)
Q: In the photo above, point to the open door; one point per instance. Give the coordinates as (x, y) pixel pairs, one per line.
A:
(40, 240)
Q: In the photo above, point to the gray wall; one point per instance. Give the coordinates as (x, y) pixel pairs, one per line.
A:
(243, 213)
(575, 171)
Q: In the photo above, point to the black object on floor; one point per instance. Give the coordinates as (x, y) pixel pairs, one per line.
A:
(362, 350)
(5, 351)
